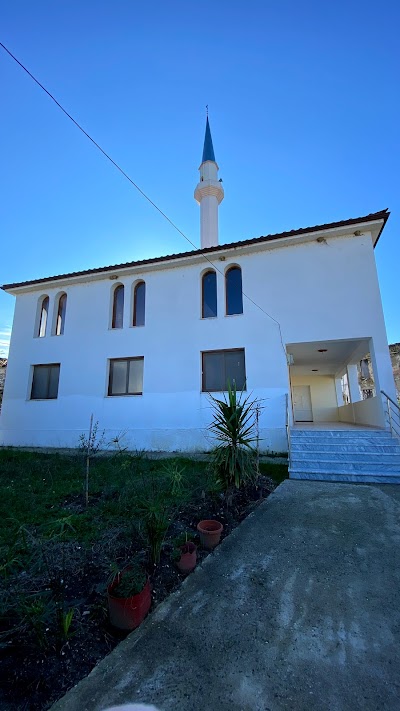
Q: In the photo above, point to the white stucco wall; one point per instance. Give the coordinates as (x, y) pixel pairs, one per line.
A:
(316, 291)
(323, 396)
(364, 412)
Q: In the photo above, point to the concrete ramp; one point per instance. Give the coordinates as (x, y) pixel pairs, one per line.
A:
(298, 610)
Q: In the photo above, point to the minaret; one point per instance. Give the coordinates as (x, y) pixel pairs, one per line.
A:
(209, 194)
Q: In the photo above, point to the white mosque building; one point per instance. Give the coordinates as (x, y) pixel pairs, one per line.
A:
(140, 345)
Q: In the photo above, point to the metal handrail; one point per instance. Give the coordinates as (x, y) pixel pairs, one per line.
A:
(390, 413)
(288, 430)
(392, 401)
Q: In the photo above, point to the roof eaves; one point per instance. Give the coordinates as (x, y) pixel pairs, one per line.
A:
(383, 214)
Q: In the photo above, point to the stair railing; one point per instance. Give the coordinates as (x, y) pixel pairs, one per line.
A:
(288, 430)
(392, 414)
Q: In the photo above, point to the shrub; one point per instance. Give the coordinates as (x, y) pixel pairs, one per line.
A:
(233, 426)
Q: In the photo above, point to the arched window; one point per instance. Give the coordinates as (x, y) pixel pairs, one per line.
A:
(44, 312)
(234, 296)
(62, 307)
(118, 307)
(139, 304)
(209, 295)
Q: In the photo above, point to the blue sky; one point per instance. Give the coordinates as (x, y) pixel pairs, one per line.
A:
(304, 111)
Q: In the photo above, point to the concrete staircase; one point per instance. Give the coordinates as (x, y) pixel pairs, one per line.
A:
(345, 455)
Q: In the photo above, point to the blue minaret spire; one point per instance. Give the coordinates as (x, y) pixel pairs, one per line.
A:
(209, 193)
(208, 149)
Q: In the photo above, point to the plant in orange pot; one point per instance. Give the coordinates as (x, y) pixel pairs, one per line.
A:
(185, 554)
(129, 597)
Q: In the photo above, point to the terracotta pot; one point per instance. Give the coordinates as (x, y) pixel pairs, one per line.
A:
(188, 559)
(210, 533)
(127, 613)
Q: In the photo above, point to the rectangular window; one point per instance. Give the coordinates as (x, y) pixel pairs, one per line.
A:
(126, 376)
(223, 367)
(45, 381)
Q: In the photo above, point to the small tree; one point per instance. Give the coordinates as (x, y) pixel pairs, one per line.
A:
(234, 428)
(90, 445)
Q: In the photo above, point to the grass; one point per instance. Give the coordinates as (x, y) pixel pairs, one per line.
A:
(40, 488)
(42, 498)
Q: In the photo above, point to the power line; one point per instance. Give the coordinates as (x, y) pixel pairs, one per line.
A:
(135, 185)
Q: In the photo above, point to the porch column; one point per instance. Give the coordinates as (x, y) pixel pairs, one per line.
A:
(339, 393)
(352, 376)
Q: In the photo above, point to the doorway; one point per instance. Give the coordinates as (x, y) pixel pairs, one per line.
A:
(302, 403)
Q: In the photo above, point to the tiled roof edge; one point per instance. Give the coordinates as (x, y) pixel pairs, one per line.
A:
(383, 214)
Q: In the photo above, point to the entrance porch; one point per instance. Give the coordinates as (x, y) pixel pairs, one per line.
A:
(324, 386)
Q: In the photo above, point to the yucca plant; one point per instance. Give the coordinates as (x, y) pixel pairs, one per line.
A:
(233, 426)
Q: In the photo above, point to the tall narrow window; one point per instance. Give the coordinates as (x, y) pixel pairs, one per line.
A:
(209, 295)
(62, 307)
(44, 311)
(234, 296)
(118, 307)
(139, 304)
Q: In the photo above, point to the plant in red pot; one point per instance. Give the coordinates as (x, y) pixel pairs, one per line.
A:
(129, 597)
(185, 555)
(210, 533)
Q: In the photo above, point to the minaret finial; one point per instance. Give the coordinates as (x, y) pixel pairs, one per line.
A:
(207, 110)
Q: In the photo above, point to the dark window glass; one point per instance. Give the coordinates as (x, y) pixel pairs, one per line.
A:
(139, 304)
(223, 367)
(118, 307)
(62, 306)
(209, 295)
(234, 296)
(43, 317)
(126, 376)
(45, 381)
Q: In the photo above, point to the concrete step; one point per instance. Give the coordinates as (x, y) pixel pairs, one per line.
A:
(343, 442)
(347, 465)
(362, 478)
(355, 457)
(339, 434)
(321, 447)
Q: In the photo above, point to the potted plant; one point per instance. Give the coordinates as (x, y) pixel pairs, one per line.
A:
(210, 533)
(129, 597)
(185, 554)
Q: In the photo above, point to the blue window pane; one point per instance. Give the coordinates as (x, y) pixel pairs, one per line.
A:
(118, 307)
(139, 306)
(209, 295)
(234, 296)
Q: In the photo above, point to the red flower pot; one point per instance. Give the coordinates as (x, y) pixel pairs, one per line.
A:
(127, 613)
(188, 559)
(210, 533)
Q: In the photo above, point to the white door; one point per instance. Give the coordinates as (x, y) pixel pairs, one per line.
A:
(302, 403)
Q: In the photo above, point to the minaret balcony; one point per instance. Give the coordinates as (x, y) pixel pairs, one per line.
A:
(209, 187)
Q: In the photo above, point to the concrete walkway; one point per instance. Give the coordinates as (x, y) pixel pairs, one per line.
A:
(299, 609)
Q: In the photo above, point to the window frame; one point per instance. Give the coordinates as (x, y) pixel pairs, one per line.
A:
(230, 269)
(110, 371)
(41, 303)
(116, 288)
(61, 297)
(203, 276)
(141, 282)
(219, 351)
(44, 365)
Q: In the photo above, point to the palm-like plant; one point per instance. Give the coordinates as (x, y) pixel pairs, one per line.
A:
(233, 426)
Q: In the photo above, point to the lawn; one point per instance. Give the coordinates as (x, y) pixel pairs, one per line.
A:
(57, 555)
